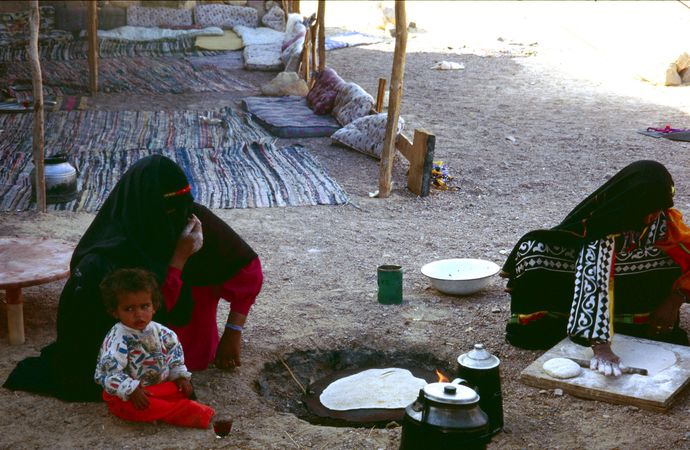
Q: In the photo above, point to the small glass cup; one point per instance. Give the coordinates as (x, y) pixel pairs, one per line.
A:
(222, 427)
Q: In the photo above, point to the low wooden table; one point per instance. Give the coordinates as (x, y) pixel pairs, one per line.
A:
(29, 262)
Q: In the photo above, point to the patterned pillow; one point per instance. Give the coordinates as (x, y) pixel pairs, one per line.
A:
(17, 23)
(366, 134)
(322, 95)
(144, 16)
(275, 18)
(225, 16)
(352, 102)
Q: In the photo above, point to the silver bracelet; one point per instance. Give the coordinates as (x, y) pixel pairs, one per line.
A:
(232, 326)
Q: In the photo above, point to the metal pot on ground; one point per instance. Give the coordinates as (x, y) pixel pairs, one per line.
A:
(60, 180)
(445, 416)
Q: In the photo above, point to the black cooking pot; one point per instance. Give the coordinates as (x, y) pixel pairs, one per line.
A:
(445, 416)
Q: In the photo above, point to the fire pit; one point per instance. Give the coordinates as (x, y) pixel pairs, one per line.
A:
(296, 381)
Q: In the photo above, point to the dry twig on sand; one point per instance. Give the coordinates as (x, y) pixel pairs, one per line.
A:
(304, 391)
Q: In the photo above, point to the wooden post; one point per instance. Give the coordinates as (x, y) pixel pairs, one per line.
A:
(420, 154)
(397, 75)
(380, 94)
(304, 69)
(93, 45)
(37, 84)
(312, 64)
(321, 17)
(294, 6)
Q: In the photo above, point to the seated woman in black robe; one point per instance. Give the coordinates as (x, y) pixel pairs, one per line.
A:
(149, 221)
(619, 261)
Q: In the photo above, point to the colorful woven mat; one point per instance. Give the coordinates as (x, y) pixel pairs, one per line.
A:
(75, 131)
(108, 48)
(231, 165)
(132, 75)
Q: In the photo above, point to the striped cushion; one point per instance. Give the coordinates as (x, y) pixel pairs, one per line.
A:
(289, 117)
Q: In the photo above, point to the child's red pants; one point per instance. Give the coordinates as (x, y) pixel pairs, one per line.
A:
(166, 403)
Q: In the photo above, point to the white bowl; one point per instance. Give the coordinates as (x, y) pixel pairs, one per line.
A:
(460, 276)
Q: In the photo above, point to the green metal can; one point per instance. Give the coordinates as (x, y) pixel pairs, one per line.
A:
(390, 284)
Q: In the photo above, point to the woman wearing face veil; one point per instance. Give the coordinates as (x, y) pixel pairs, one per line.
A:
(149, 221)
(619, 262)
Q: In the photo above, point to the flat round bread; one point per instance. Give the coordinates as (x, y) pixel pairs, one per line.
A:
(562, 368)
(373, 388)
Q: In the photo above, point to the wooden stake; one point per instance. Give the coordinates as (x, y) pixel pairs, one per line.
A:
(380, 94)
(37, 84)
(93, 46)
(397, 75)
(294, 7)
(321, 17)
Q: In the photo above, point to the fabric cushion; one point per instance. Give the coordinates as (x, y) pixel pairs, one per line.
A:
(352, 102)
(274, 18)
(229, 41)
(111, 17)
(225, 16)
(366, 134)
(289, 117)
(291, 52)
(144, 16)
(262, 57)
(17, 23)
(321, 97)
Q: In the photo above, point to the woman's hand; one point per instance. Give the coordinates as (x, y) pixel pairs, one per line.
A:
(665, 317)
(605, 361)
(190, 241)
(139, 398)
(228, 353)
(184, 386)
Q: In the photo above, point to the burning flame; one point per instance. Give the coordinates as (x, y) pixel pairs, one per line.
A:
(441, 378)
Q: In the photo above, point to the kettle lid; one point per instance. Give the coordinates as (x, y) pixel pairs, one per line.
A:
(478, 358)
(450, 393)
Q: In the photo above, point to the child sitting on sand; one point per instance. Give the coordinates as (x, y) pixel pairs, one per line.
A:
(141, 363)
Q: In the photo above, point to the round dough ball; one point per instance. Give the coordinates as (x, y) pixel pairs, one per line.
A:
(562, 368)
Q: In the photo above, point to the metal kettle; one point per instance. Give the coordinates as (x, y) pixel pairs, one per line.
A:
(481, 370)
(445, 416)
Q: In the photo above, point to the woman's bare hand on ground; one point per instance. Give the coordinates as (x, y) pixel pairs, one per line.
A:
(229, 348)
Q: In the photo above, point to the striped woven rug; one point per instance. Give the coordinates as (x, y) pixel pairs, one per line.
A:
(231, 165)
(132, 75)
(85, 130)
(108, 48)
(247, 176)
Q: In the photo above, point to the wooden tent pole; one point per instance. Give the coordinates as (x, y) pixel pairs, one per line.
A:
(37, 84)
(322, 34)
(93, 46)
(395, 93)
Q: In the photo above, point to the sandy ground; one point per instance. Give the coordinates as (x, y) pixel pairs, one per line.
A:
(526, 138)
